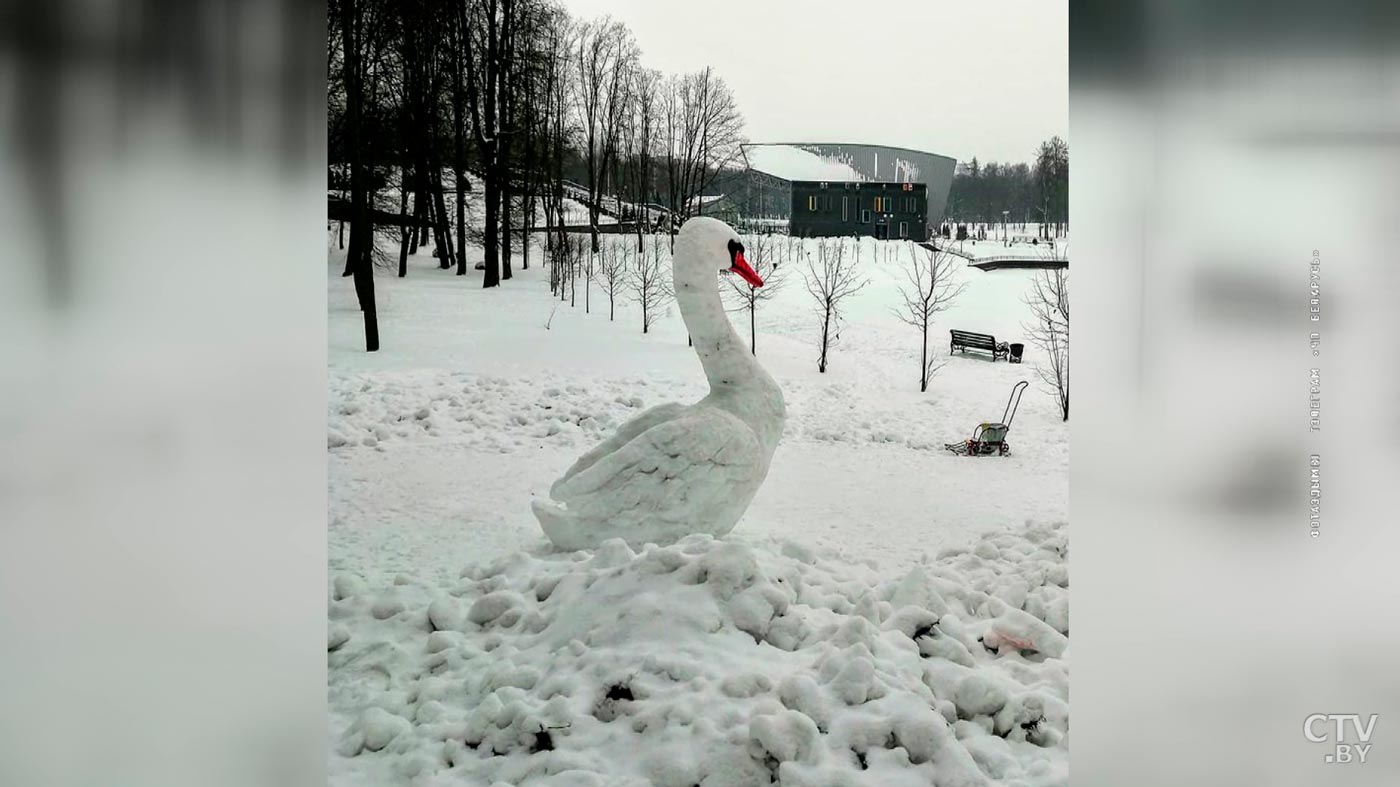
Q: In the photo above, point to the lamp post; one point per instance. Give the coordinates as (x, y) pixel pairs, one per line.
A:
(1005, 239)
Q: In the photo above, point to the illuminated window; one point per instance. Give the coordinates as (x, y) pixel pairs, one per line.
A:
(812, 203)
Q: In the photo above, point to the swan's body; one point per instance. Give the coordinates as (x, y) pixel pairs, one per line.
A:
(676, 470)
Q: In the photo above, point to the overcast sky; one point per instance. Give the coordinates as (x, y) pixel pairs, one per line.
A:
(985, 78)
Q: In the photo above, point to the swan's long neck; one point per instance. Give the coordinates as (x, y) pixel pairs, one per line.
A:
(737, 382)
(729, 365)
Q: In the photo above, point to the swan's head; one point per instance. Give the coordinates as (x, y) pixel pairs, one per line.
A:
(712, 245)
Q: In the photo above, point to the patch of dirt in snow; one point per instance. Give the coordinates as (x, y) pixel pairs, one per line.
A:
(709, 662)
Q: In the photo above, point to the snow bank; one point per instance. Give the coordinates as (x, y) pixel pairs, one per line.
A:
(709, 662)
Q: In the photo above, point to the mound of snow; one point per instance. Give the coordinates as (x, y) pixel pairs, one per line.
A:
(710, 662)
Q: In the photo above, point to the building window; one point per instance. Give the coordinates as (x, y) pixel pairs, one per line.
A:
(812, 203)
(904, 229)
(845, 211)
(865, 217)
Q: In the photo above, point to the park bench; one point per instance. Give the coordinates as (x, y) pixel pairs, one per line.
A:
(967, 340)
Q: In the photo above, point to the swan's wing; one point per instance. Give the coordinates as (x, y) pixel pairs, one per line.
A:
(624, 435)
(692, 462)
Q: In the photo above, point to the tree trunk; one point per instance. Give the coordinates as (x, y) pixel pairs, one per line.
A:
(531, 207)
(492, 191)
(459, 175)
(404, 229)
(441, 229)
(423, 205)
(826, 332)
(459, 161)
(360, 258)
(923, 361)
(349, 258)
(753, 331)
(505, 225)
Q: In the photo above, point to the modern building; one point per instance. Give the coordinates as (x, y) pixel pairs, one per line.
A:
(881, 210)
(828, 189)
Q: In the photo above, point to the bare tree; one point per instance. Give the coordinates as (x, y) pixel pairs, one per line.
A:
(558, 31)
(490, 42)
(831, 278)
(558, 255)
(611, 273)
(701, 132)
(1052, 186)
(574, 247)
(563, 265)
(650, 281)
(639, 140)
(606, 56)
(1049, 330)
(930, 287)
(761, 254)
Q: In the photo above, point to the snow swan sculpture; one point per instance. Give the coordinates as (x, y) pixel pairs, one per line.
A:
(675, 470)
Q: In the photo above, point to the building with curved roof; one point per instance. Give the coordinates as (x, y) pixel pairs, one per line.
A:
(813, 185)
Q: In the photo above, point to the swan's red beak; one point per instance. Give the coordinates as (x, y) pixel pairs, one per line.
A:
(741, 266)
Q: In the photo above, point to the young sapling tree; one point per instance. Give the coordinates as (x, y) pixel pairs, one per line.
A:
(831, 278)
(930, 287)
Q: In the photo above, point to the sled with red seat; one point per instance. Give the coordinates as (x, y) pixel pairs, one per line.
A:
(990, 438)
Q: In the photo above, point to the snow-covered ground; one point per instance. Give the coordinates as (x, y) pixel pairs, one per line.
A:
(803, 645)
(1018, 243)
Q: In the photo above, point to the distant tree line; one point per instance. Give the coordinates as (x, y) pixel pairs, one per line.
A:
(1031, 193)
(515, 101)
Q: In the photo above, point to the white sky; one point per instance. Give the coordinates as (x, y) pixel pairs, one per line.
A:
(985, 78)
